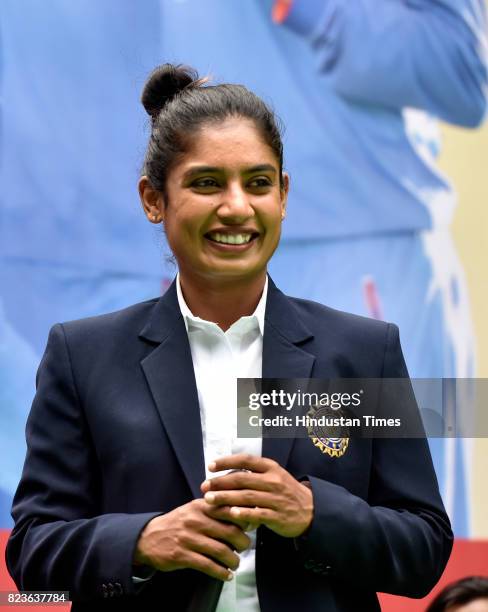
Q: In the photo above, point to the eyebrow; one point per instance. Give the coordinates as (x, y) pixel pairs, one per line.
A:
(214, 169)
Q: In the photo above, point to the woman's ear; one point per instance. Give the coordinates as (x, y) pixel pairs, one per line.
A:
(284, 189)
(151, 200)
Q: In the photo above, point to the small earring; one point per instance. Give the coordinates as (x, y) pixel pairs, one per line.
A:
(155, 218)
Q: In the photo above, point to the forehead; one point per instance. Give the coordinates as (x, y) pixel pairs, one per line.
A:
(479, 605)
(235, 142)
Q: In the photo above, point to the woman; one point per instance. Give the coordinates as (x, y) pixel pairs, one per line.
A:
(469, 594)
(131, 406)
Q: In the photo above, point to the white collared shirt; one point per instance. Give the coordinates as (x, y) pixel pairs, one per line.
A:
(219, 358)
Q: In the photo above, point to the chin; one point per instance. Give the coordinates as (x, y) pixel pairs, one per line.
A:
(236, 273)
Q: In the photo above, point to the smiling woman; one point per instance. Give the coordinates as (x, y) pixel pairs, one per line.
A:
(213, 174)
(222, 211)
(135, 411)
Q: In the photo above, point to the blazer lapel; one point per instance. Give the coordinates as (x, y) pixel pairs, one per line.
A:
(171, 378)
(282, 358)
(170, 375)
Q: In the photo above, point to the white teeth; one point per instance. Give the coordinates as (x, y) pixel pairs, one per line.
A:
(230, 238)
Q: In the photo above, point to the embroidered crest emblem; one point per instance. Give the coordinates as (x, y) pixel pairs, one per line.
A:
(325, 436)
(335, 447)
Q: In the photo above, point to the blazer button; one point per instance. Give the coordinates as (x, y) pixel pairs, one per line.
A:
(310, 564)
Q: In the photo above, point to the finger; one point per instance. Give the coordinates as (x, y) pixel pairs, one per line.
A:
(219, 551)
(244, 497)
(241, 480)
(255, 516)
(206, 484)
(242, 461)
(222, 526)
(201, 563)
(221, 513)
(232, 535)
(203, 519)
(247, 518)
(213, 523)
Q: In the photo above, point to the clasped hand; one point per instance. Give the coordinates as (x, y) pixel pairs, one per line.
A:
(259, 492)
(206, 534)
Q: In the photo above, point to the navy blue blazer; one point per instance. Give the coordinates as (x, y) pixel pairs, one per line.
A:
(114, 439)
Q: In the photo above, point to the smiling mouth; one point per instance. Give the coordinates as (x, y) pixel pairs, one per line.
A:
(232, 239)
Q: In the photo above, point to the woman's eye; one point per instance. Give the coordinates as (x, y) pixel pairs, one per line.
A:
(260, 181)
(205, 183)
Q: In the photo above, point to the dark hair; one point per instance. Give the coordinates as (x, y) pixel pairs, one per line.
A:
(179, 103)
(459, 593)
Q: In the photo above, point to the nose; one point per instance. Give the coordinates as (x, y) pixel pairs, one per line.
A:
(235, 206)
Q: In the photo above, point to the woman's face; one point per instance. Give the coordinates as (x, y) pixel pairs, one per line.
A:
(224, 204)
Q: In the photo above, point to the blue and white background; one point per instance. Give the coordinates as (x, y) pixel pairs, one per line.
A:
(359, 85)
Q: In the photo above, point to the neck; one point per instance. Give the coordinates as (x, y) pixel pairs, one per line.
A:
(222, 303)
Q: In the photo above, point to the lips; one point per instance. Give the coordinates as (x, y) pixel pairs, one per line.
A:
(232, 239)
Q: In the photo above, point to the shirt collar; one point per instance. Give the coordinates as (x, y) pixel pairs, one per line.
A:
(189, 317)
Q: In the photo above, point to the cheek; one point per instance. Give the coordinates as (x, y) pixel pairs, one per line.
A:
(272, 219)
(179, 226)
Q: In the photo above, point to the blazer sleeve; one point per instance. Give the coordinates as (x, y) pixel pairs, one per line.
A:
(425, 54)
(399, 539)
(61, 540)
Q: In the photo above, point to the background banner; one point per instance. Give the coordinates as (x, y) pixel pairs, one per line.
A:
(385, 143)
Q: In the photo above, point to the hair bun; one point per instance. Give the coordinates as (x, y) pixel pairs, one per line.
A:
(164, 83)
